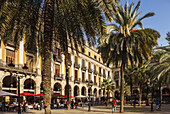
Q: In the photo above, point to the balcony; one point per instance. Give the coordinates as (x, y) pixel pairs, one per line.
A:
(95, 83)
(77, 80)
(90, 70)
(95, 72)
(57, 58)
(69, 62)
(104, 75)
(84, 68)
(76, 65)
(116, 77)
(58, 77)
(100, 74)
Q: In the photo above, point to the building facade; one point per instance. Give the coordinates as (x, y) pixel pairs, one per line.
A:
(87, 65)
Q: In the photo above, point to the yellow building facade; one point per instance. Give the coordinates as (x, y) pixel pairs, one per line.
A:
(85, 66)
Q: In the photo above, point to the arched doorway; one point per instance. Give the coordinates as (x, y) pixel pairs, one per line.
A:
(29, 85)
(76, 91)
(83, 91)
(69, 90)
(9, 84)
(57, 88)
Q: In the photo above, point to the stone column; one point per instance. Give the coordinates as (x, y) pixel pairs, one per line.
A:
(1, 63)
(21, 56)
(86, 71)
(63, 63)
(92, 73)
(63, 90)
(80, 77)
(38, 62)
(72, 68)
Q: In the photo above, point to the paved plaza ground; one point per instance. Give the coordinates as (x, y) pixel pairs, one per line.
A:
(103, 110)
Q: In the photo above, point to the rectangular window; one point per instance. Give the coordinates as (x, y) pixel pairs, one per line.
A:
(89, 78)
(109, 74)
(100, 70)
(83, 63)
(76, 75)
(83, 76)
(10, 55)
(104, 74)
(76, 59)
(95, 57)
(69, 56)
(95, 79)
(89, 65)
(116, 73)
(89, 54)
(57, 70)
(58, 53)
(117, 83)
(29, 60)
(94, 67)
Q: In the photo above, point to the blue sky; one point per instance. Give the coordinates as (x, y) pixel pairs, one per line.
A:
(160, 21)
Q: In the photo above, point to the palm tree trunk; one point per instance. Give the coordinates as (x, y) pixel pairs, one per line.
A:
(140, 95)
(67, 76)
(160, 98)
(122, 78)
(107, 98)
(147, 103)
(131, 89)
(46, 69)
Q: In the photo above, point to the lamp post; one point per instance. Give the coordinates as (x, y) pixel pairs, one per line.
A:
(11, 65)
(152, 85)
(89, 84)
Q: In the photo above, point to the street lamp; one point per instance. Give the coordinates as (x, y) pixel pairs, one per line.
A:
(11, 66)
(152, 85)
(89, 84)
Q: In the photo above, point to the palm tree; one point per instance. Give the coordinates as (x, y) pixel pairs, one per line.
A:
(124, 42)
(161, 67)
(43, 21)
(109, 86)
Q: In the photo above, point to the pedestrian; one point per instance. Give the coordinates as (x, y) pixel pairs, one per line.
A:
(114, 105)
(24, 105)
(76, 103)
(134, 103)
(3, 106)
(157, 105)
(72, 104)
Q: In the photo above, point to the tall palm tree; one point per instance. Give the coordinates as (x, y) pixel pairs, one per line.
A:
(43, 21)
(109, 86)
(124, 42)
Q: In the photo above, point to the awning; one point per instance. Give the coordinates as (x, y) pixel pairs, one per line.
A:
(57, 95)
(81, 96)
(4, 93)
(27, 94)
(66, 96)
(41, 94)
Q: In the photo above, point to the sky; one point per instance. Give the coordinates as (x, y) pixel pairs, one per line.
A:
(160, 21)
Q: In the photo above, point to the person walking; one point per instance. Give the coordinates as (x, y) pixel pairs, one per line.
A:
(114, 105)
(134, 103)
(157, 105)
(72, 104)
